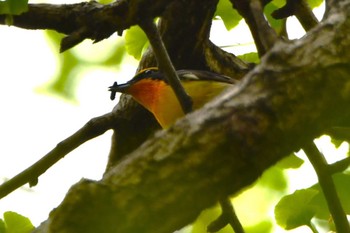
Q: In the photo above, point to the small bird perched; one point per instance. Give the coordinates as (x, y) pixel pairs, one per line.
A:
(150, 88)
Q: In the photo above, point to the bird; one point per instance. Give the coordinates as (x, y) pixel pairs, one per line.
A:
(150, 88)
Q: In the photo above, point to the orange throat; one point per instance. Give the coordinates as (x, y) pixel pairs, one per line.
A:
(158, 98)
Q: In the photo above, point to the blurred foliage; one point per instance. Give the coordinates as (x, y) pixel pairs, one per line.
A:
(228, 15)
(312, 3)
(15, 223)
(209, 215)
(71, 62)
(336, 142)
(252, 57)
(105, 1)
(315, 3)
(339, 135)
(12, 7)
(279, 25)
(290, 162)
(342, 183)
(2, 226)
(252, 205)
(276, 24)
(135, 41)
(63, 83)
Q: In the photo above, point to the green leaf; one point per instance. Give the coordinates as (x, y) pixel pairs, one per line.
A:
(13, 7)
(116, 58)
(339, 135)
(263, 226)
(250, 57)
(65, 80)
(312, 3)
(276, 24)
(274, 178)
(4, 8)
(292, 161)
(105, 1)
(296, 210)
(206, 217)
(2, 226)
(337, 143)
(17, 7)
(228, 14)
(279, 3)
(16, 223)
(315, 3)
(135, 41)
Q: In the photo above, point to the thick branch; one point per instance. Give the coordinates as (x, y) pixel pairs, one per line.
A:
(88, 19)
(218, 150)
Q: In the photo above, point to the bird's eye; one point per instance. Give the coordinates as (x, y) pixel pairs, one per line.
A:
(148, 72)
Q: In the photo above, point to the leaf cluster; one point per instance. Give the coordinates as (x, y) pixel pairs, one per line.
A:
(15, 223)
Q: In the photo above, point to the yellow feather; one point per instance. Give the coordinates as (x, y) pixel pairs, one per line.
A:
(166, 107)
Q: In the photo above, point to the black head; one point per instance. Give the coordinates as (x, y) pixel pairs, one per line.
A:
(151, 72)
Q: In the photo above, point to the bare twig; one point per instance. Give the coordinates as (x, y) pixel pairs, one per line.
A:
(328, 188)
(228, 216)
(339, 166)
(165, 64)
(252, 12)
(93, 128)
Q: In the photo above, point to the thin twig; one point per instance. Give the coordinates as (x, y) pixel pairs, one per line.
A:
(305, 15)
(165, 64)
(228, 216)
(301, 10)
(252, 12)
(93, 128)
(327, 185)
(339, 166)
(312, 228)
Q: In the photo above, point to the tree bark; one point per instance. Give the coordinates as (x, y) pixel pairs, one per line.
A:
(300, 89)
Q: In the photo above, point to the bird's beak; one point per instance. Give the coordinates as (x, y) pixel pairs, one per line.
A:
(118, 88)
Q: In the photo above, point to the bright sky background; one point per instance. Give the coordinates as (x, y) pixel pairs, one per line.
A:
(32, 123)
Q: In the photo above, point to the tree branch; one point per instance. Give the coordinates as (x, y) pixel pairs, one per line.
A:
(328, 187)
(228, 216)
(301, 10)
(87, 19)
(226, 63)
(224, 146)
(252, 12)
(339, 166)
(93, 128)
(165, 64)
